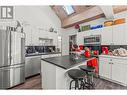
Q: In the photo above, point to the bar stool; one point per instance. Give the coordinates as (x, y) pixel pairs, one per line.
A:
(90, 73)
(77, 76)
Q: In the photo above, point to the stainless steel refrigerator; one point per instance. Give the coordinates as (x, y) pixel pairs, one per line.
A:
(12, 58)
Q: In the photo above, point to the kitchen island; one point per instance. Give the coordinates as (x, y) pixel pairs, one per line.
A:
(54, 71)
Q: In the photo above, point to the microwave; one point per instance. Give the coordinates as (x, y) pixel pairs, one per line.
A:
(92, 40)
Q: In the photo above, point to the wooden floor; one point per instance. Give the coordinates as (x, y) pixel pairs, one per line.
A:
(35, 83)
(31, 83)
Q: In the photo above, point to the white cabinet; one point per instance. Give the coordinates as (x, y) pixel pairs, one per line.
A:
(105, 68)
(95, 31)
(106, 38)
(28, 35)
(81, 35)
(114, 35)
(114, 69)
(119, 34)
(35, 37)
(118, 71)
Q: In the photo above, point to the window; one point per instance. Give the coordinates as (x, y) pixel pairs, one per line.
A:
(69, 9)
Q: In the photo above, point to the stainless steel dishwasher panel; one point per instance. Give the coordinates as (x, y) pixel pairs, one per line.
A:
(32, 66)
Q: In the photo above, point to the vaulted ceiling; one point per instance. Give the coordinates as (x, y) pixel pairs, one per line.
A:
(85, 13)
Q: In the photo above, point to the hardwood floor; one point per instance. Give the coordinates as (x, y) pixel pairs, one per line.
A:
(35, 83)
(101, 84)
(31, 83)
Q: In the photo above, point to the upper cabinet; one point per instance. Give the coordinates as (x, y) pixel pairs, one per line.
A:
(119, 34)
(110, 35)
(81, 35)
(106, 37)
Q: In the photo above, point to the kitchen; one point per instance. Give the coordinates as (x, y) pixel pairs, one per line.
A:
(45, 47)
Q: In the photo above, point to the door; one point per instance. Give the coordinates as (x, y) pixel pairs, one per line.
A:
(105, 69)
(107, 36)
(17, 45)
(119, 69)
(119, 34)
(11, 76)
(4, 48)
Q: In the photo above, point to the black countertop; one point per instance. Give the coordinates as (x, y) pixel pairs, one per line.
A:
(38, 54)
(66, 62)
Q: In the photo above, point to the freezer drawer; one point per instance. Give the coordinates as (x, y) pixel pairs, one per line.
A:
(32, 66)
(12, 76)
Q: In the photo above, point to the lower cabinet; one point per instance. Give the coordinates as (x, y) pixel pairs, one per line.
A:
(32, 66)
(113, 69)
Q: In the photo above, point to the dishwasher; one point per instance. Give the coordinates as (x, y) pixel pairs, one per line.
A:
(32, 66)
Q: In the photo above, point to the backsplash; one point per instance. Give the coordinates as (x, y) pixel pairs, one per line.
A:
(39, 49)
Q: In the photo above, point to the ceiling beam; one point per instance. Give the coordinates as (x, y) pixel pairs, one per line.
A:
(89, 15)
(108, 11)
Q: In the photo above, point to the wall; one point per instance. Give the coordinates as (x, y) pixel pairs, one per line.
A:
(36, 22)
(71, 31)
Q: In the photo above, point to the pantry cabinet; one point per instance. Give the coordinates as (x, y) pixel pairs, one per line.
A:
(113, 68)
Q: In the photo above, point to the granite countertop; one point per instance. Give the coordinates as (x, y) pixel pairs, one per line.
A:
(112, 56)
(38, 54)
(65, 62)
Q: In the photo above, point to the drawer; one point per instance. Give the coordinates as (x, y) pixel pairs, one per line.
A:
(120, 61)
(105, 59)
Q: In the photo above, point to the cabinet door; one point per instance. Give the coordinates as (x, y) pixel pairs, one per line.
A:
(106, 36)
(119, 69)
(119, 34)
(105, 69)
(28, 33)
(35, 37)
(96, 31)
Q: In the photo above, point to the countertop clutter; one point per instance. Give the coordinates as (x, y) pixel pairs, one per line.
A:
(120, 52)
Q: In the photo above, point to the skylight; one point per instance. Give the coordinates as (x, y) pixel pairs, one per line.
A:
(69, 9)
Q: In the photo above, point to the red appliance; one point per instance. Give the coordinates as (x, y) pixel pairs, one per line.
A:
(94, 63)
(105, 50)
(95, 52)
(81, 47)
(87, 54)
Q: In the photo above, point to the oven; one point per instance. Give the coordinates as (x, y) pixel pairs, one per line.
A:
(92, 40)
